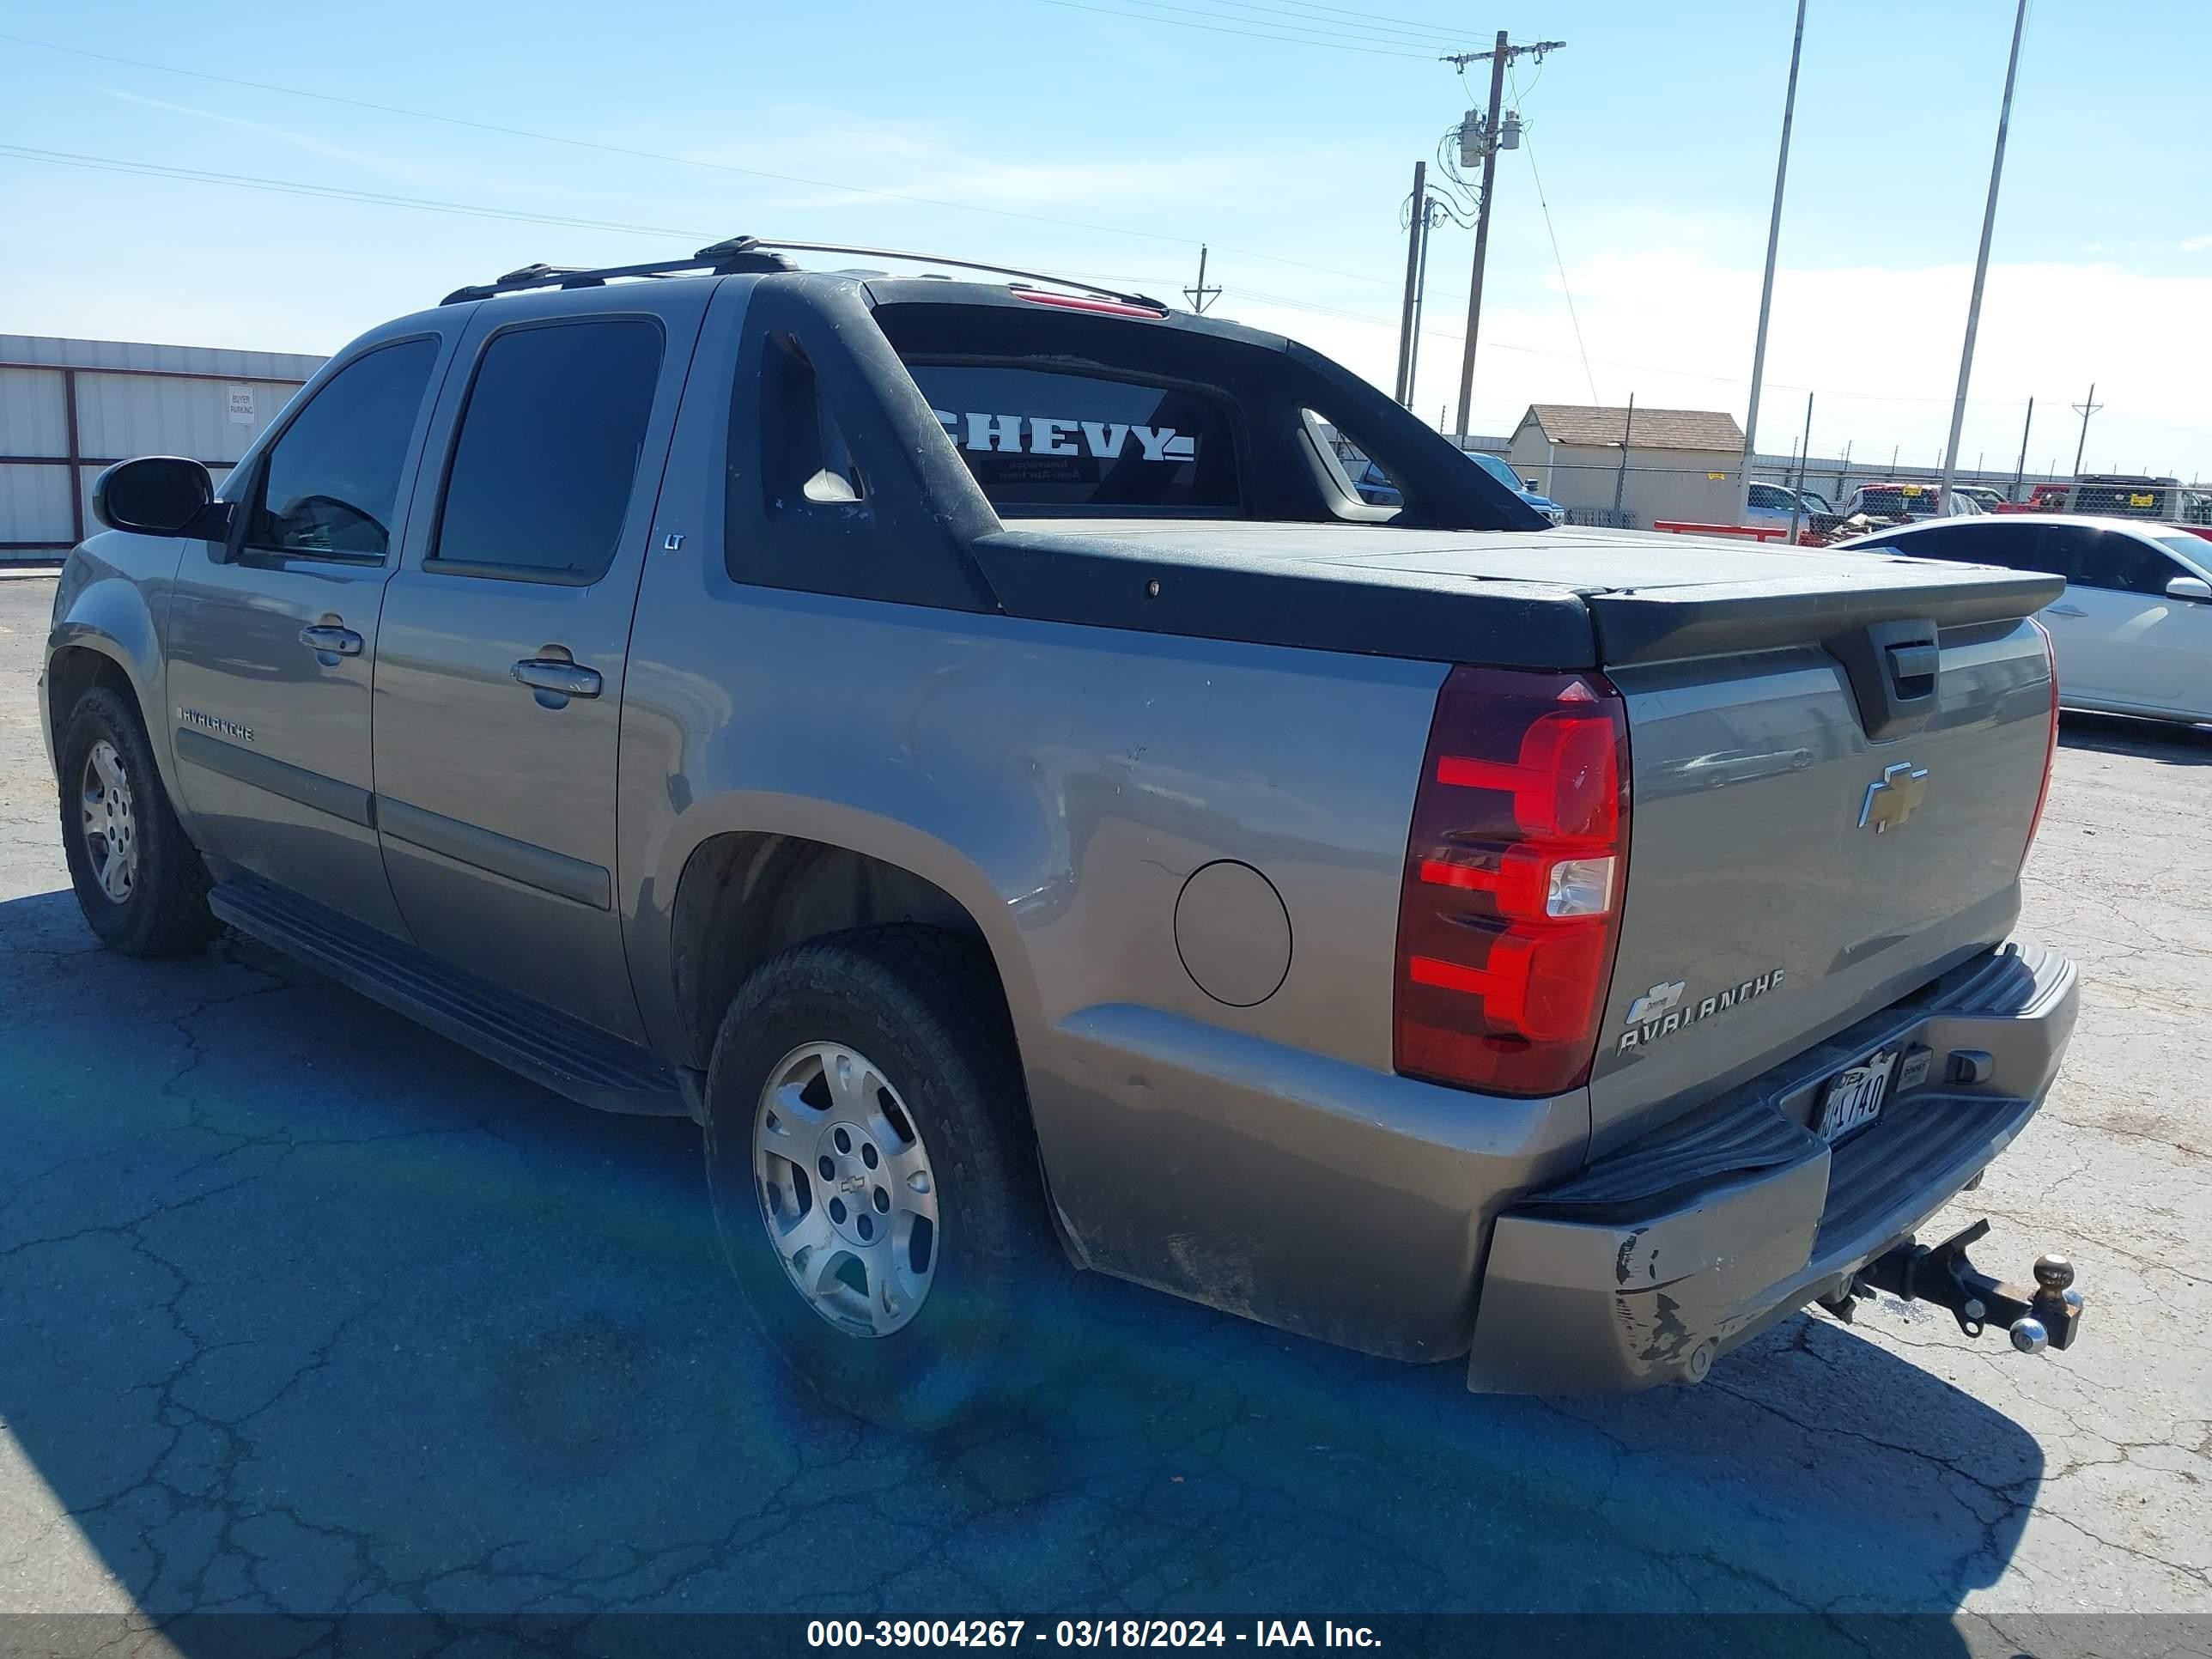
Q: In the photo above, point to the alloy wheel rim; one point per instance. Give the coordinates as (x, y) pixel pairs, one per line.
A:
(110, 823)
(845, 1189)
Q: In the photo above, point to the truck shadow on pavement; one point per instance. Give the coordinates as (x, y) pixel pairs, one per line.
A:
(308, 1309)
(2166, 742)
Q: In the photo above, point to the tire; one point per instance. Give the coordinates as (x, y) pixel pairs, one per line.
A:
(153, 902)
(979, 1321)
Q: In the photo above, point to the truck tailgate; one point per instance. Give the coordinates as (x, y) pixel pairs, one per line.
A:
(1808, 842)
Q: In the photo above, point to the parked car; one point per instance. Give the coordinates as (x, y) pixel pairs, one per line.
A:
(1498, 468)
(2131, 496)
(969, 748)
(1375, 488)
(1902, 503)
(1780, 504)
(2042, 498)
(2133, 630)
(1987, 499)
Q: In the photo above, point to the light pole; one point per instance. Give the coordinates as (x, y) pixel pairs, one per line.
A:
(1766, 285)
(1982, 258)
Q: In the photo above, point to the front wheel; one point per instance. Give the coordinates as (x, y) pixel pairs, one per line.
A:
(138, 878)
(874, 1179)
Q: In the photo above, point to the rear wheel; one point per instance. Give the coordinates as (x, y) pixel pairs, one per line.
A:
(138, 878)
(874, 1178)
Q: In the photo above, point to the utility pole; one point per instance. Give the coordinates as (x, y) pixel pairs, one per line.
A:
(1499, 56)
(1417, 223)
(1796, 496)
(1421, 301)
(1201, 296)
(2020, 472)
(1627, 433)
(1982, 258)
(1767, 285)
(2085, 410)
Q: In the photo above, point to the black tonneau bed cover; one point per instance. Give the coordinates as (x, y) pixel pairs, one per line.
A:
(1554, 598)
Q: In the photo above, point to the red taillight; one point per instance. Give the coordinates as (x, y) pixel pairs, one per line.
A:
(1084, 302)
(2049, 744)
(1510, 905)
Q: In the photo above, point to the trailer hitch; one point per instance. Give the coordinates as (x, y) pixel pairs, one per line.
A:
(2048, 1316)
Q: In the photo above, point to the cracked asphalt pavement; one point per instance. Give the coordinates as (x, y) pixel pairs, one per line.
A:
(304, 1309)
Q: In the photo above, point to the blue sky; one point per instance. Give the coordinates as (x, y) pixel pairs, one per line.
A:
(1110, 137)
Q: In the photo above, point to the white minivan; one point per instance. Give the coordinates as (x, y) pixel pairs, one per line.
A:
(2133, 628)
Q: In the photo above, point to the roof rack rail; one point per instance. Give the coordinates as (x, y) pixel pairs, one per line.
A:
(753, 253)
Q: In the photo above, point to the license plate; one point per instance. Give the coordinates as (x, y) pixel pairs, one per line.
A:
(1855, 1096)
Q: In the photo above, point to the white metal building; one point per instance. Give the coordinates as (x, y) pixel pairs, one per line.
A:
(69, 408)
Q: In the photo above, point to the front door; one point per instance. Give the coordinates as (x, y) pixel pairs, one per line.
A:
(2151, 649)
(272, 637)
(498, 670)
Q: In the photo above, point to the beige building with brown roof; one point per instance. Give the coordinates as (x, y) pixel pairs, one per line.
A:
(1682, 463)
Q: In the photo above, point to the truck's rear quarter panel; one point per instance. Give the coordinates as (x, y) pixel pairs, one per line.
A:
(1066, 784)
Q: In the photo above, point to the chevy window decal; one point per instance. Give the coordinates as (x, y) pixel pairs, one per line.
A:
(1040, 434)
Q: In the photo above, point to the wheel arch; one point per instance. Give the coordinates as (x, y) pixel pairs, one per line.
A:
(744, 894)
(103, 632)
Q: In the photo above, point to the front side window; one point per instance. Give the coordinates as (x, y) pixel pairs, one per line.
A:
(2129, 565)
(548, 453)
(1046, 440)
(332, 483)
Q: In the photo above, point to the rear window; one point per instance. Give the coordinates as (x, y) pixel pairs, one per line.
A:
(1050, 440)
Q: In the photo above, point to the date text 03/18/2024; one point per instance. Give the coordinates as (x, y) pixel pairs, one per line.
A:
(1084, 1633)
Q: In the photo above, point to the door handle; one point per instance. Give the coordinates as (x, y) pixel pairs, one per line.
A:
(2065, 610)
(325, 640)
(565, 679)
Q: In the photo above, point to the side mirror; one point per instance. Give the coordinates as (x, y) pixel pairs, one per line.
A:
(2190, 587)
(1530, 484)
(154, 496)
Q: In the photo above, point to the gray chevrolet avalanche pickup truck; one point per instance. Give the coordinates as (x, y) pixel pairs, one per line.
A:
(970, 746)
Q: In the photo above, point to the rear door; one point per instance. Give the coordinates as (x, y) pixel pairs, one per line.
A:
(2096, 623)
(505, 634)
(270, 639)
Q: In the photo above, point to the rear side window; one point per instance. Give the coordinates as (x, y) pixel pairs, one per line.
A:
(547, 458)
(332, 483)
(1047, 441)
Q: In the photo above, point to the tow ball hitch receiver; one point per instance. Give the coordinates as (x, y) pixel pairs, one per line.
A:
(2047, 1316)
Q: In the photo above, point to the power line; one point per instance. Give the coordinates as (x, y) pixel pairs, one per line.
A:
(1416, 47)
(301, 187)
(1450, 31)
(1558, 260)
(685, 160)
(1216, 28)
(1326, 17)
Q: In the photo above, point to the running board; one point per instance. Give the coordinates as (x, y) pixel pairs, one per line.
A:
(544, 1045)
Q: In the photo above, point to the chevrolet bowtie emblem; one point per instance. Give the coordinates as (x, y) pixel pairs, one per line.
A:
(1891, 797)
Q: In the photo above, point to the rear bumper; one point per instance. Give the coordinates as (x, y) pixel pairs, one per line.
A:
(1646, 1266)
